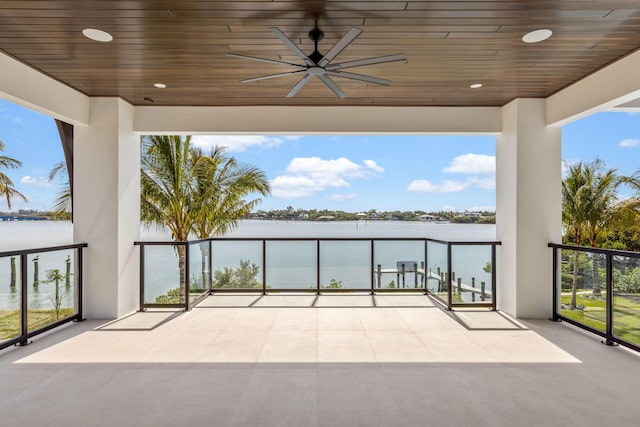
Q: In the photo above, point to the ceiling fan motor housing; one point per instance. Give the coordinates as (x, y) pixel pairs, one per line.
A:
(319, 65)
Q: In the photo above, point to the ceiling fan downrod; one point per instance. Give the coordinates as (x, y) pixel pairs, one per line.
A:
(316, 35)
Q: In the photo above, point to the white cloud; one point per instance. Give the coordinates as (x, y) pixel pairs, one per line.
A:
(370, 164)
(448, 208)
(472, 164)
(629, 143)
(483, 183)
(40, 182)
(342, 197)
(447, 186)
(239, 143)
(306, 176)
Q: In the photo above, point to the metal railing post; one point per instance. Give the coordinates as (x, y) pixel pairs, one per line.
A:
(187, 275)
(554, 314)
(24, 306)
(264, 266)
(80, 284)
(373, 273)
(426, 263)
(142, 246)
(210, 266)
(448, 279)
(318, 267)
(609, 301)
(494, 275)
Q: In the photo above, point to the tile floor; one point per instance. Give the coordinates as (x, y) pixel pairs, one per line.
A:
(242, 360)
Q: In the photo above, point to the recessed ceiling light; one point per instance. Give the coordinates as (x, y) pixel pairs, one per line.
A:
(97, 35)
(160, 85)
(476, 85)
(148, 100)
(537, 35)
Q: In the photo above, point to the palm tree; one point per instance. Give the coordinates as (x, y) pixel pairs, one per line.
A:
(6, 185)
(188, 192)
(604, 209)
(574, 214)
(222, 185)
(166, 187)
(62, 205)
(591, 205)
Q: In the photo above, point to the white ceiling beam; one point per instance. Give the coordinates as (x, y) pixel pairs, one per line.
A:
(628, 107)
(609, 87)
(318, 120)
(26, 86)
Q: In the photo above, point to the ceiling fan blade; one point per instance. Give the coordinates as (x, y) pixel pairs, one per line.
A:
(368, 61)
(271, 76)
(268, 61)
(299, 53)
(353, 76)
(299, 85)
(332, 85)
(345, 41)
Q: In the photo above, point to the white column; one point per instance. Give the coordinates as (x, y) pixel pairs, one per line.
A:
(528, 207)
(107, 207)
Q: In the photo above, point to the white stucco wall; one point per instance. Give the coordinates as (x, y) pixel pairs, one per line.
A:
(107, 207)
(528, 205)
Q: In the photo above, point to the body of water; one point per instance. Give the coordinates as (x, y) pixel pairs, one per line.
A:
(289, 265)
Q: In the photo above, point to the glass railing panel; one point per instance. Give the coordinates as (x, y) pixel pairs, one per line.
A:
(399, 264)
(345, 264)
(436, 271)
(583, 289)
(199, 282)
(10, 286)
(236, 264)
(164, 271)
(471, 277)
(626, 298)
(51, 287)
(292, 264)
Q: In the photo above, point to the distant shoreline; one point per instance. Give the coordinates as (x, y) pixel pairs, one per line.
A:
(26, 218)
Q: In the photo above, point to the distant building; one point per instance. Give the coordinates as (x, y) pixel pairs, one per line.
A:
(427, 217)
(472, 214)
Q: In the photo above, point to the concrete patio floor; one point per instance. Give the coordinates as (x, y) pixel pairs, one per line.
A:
(243, 360)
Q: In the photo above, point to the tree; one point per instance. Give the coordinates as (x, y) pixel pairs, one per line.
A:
(7, 189)
(603, 208)
(221, 195)
(591, 205)
(166, 190)
(192, 193)
(574, 214)
(55, 277)
(62, 205)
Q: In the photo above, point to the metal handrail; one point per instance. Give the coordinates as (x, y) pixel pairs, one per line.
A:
(608, 334)
(25, 334)
(615, 252)
(449, 303)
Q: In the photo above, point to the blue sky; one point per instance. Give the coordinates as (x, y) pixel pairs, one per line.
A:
(352, 173)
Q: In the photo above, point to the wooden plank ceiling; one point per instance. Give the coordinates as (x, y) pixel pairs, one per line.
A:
(449, 46)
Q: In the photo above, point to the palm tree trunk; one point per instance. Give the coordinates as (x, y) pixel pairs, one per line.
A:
(576, 268)
(574, 286)
(182, 255)
(597, 292)
(205, 265)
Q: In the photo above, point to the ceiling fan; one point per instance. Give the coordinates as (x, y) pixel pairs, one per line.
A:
(319, 65)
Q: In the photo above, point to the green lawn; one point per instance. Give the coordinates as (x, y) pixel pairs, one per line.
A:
(10, 321)
(626, 314)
